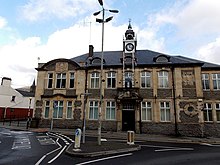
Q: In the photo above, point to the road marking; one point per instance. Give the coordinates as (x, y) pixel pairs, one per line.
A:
(45, 140)
(102, 159)
(168, 148)
(175, 149)
(60, 146)
(44, 156)
(22, 142)
(210, 145)
(152, 146)
(57, 155)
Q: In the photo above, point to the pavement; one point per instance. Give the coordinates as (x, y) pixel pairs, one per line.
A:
(116, 141)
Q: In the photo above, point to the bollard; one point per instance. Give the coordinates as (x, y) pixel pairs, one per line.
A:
(78, 133)
(130, 138)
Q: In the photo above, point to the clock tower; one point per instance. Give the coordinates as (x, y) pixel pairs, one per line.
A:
(129, 60)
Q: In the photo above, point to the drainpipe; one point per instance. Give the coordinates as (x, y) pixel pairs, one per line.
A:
(174, 103)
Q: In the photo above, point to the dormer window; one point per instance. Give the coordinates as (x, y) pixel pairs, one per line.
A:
(161, 59)
(96, 61)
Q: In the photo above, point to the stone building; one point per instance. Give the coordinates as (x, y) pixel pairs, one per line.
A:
(142, 90)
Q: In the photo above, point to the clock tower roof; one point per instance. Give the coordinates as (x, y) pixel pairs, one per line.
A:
(129, 34)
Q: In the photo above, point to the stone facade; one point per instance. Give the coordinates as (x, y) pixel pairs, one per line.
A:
(150, 93)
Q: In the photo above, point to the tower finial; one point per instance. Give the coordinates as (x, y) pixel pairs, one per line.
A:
(129, 25)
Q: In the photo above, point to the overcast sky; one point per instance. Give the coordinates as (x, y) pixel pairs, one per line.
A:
(33, 31)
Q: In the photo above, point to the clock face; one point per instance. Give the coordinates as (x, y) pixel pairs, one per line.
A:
(129, 47)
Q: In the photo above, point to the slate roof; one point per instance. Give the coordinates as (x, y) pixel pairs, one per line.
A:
(144, 57)
(25, 93)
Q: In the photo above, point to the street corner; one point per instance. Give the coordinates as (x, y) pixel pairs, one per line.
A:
(40, 130)
(92, 149)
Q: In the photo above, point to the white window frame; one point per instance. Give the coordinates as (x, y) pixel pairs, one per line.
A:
(147, 107)
(93, 110)
(110, 111)
(72, 78)
(205, 81)
(207, 112)
(58, 109)
(46, 109)
(94, 80)
(216, 78)
(111, 79)
(62, 78)
(49, 79)
(165, 110)
(145, 78)
(163, 79)
(217, 108)
(69, 109)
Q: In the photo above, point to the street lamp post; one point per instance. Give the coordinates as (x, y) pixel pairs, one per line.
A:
(29, 113)
(102, 21)
(84, 114)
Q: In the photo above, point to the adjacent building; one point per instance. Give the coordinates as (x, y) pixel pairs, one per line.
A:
(142, 90)
(15, 104)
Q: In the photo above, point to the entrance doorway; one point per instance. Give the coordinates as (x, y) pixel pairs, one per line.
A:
(128, 117)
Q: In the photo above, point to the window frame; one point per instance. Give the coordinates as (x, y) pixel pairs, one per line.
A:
(163, 80)
(49, 80)
(72, 80)
(145, 78)
(147, 108)
(112, 110)
(111, 76)
(216, 78)
(61, 82)
(58, 109)
(93, 110)
(46, 109)
(165, 108)
(217, 109)
(95, 80)
(205, 81)
(69, 108)
(207, 115)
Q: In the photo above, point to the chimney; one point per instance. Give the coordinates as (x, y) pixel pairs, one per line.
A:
(91, 50)
(6, 81)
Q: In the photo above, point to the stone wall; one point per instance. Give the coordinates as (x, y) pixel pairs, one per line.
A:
(158, 128)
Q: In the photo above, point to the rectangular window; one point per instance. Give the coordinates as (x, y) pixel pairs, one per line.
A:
(50, 80)
(61, 80)
(145, 79)
(146, 111)
(72, 78)
(69, 111)
(207, 112)
(205, 81)
(111, 80)
(110, 110)
(217, 108)
(163, 79)
(47, 109)
(164, 111)
(95, 80)
(216, 81)
(93, 110)
(128, 79)
(58, 109)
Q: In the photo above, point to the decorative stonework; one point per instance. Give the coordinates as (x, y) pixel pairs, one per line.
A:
(188, 78)
(61, 66)
(190, 109)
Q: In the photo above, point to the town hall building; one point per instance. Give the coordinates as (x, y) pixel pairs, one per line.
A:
(142, 90)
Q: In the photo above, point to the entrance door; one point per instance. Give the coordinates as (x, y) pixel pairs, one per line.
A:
(128, 117)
